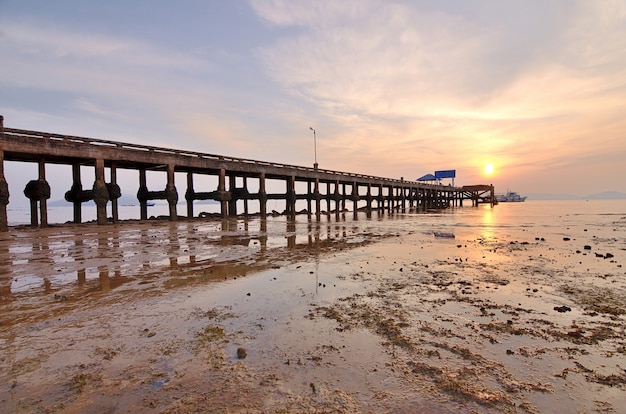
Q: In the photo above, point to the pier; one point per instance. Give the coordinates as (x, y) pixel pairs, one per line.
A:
(319, 188)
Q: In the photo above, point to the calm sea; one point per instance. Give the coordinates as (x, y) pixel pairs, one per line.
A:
(532, 213)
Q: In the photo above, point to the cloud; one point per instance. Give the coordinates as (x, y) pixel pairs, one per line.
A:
(529, 83)
(393, 58)
(122, 84)
(394, 88)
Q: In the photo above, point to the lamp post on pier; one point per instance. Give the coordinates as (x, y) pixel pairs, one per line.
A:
(314, 147)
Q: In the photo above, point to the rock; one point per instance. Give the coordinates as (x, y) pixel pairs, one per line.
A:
(562, 309)
(242, 353)
(608, 255)
(566, 239)
(587, 247)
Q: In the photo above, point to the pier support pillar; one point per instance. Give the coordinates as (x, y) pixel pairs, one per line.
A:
(114, 202)
(262, 196)
(77, 187)
(245, 200)
(43, 202)
(291, 197)
(143, 187)
(309, 198)
(328, 197)
(221, 187)
(232, 204)
(318, 201)
(337, 197)
(4, 190)
(100, 193)
(190, 190)
(171, 193)
(355, 199)
(38, 191)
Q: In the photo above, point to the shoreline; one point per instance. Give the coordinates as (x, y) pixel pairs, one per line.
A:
(352, 316)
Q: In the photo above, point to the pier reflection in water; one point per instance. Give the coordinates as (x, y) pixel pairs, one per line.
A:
(78, 259)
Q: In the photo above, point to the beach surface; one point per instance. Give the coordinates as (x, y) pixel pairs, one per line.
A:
(467, 310)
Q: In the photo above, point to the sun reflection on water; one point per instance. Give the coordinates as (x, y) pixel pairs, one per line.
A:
(487, 223)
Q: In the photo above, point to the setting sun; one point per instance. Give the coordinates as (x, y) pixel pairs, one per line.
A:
(488, 169)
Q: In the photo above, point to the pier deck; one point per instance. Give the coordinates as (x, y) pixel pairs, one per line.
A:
(333, 187)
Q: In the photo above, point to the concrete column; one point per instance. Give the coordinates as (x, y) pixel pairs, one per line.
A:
(76, 184)
(232, 204)
(4, 188)
(171, 192)
(355, 199)
(355, 196)
(143, 204)
(100, 193)
(262, 196)
(245, 192)
(43, 203)
(291, 196)
(221, 187)
(190, 191)
(309, 196)
(114, 202)
(318, 208)
(328, 197)
(337, 197)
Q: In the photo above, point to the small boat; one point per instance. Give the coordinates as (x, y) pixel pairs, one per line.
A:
(510, 197)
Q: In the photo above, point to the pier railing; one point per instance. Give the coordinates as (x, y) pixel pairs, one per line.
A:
(71, 139)
(43, 147)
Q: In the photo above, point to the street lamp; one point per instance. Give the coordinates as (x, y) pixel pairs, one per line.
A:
(314, 147)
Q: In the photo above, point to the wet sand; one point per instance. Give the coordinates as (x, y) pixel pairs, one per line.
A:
(372, 315)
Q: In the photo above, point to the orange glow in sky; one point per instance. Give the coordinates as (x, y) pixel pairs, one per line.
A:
(528, 94)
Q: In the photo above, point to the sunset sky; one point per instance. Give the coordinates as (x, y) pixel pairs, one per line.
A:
(536, 88)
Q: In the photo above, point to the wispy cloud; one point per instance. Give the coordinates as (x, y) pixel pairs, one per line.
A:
(395, 88)
(507, 80)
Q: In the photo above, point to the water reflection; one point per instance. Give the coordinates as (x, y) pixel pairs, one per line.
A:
(85, 258)
(487, 224)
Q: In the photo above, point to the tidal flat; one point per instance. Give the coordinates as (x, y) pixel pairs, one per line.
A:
(459, 311)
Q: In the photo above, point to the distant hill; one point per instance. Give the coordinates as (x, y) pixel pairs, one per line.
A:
(606, 195)
(547, 196)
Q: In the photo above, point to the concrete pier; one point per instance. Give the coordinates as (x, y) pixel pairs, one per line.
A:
(335, 187)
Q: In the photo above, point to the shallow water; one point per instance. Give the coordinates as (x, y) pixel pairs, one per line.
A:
(345, 315)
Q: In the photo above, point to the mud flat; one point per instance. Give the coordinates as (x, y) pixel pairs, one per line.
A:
(388, 314)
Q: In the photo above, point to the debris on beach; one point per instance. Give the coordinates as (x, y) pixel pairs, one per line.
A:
(444, 235)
